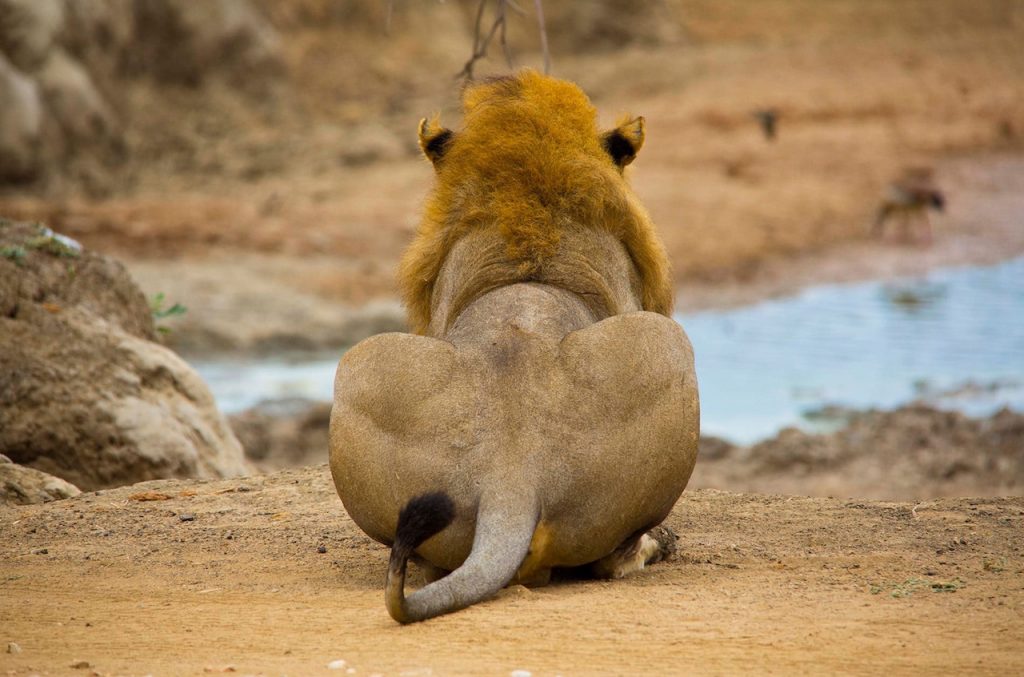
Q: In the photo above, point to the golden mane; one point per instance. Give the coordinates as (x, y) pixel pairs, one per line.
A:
(528, 162)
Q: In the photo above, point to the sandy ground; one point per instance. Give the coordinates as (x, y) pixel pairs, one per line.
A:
(765, 584)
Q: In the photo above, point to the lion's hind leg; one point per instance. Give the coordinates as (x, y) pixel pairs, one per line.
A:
(636, 552)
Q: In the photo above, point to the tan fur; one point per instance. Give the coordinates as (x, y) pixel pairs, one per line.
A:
(527, 164)
(559, 417)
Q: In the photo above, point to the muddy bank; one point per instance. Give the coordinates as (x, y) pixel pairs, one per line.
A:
(249, 307)
(913, 453)
(268, 576)
(261, 304)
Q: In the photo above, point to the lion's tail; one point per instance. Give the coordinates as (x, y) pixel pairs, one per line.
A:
(504, 530)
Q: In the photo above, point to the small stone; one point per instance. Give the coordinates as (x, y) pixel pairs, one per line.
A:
(186, 517)
(81, 665)
(339, 664)
(13, 648)
(321, 549)
(350, 671)
(40, 551)
(520, 673)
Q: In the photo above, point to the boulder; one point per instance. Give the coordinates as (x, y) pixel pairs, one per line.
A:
(73, 99)
(85, 392)
(185, 41)
(29, 29)
(23, 486)
(21, 120)
(284, 433)
(68, 70)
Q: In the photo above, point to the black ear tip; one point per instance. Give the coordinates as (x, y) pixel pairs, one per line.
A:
(619, 147)
(438, 144)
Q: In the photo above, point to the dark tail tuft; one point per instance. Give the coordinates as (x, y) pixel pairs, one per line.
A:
(421, 518)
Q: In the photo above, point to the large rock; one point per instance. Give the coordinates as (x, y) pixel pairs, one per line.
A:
(73, 100)
(21, 121)
(23, 486)
(85, 392)
(68, 67)
(186, 41)
(284, 434)
(29, 29)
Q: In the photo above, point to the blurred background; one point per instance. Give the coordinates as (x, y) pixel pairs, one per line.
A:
(839, 184)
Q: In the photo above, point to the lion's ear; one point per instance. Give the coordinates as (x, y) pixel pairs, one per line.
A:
(434, 139)
(625, 141)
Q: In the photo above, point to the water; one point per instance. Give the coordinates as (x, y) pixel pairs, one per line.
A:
(241, 384)
(954, 338)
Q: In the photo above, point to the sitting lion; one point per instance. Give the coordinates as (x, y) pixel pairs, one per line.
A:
(546, 415)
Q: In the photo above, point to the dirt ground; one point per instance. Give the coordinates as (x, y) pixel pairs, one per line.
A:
(226, 576)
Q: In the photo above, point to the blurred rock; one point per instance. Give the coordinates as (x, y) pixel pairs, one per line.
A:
(185, 41)
(63, 68)
(23, 486)
(98, 32)
(915, 451)
(29, 30)
(85, 393)
(72, 99)
(284, 434)
(712, 448)
(21, 119)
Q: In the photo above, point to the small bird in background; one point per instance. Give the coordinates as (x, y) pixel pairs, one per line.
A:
(910, 196)
(768, 119)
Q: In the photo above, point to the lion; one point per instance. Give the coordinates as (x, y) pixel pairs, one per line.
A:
(544, 415)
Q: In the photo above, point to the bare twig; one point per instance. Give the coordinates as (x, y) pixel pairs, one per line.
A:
(500, 28)
(502, 4)
(543, 36)
(476, 28)
(480, 44)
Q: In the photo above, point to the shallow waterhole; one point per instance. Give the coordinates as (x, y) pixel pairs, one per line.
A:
(953, 338)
